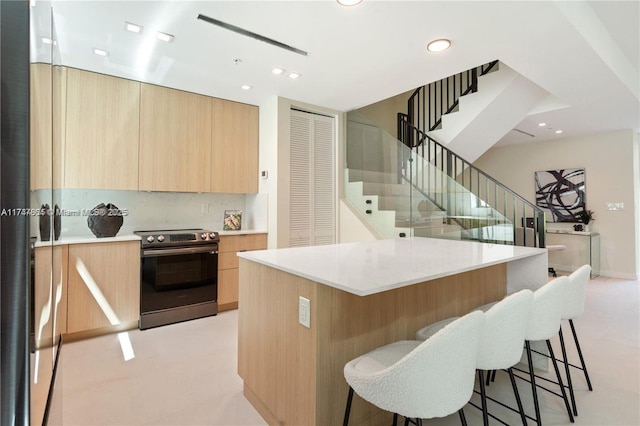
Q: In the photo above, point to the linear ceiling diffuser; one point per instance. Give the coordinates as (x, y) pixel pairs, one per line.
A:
(252, 35)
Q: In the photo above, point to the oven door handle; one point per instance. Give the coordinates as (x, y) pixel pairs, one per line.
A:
(178, 251)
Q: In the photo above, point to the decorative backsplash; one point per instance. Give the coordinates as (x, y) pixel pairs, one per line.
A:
(150, 210)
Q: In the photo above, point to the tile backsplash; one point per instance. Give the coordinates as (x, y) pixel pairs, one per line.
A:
(150, 210)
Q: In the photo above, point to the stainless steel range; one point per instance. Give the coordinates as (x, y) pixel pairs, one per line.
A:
(179, 276)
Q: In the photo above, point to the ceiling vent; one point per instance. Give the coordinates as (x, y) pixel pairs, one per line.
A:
(251, 34)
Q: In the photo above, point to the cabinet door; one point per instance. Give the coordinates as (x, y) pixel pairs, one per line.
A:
(103, 285)
(228, 289)
(175, 140)
(40, 124)
(102, 130)
(234, 147)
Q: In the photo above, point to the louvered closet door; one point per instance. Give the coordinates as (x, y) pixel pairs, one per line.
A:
(312, 180)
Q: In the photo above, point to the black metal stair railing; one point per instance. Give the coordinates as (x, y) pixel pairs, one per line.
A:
(429, 103)
(528, 220)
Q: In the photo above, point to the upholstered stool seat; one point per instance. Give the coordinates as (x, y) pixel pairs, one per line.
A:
(543, 324)
(420, 379)
(501, 340)
(573, 308)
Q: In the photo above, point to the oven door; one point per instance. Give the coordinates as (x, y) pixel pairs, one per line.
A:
(179, 278)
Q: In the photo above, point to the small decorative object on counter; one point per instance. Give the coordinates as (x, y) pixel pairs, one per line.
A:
(232, 220)
(578, 228)
(105, 220)
(57, 222)
(45, 223)
(585, 216)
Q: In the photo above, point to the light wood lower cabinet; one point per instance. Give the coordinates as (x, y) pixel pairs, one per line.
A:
(228, 250)
(103, 286)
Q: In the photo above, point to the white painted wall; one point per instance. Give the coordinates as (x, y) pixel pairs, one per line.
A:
(611, 166)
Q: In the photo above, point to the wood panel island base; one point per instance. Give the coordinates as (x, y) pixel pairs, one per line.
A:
(362, 295)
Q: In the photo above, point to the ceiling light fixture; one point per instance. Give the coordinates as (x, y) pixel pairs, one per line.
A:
(438, 45)
(558, 132)
(542, 124)
(245, 87)
(164, 37)
(134, 28)
(100, 52)
(277, 71)
(349, 2)
(251, 34)
(294, 75)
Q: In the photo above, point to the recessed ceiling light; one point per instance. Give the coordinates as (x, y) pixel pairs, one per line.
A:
(164, 37)
(245, 87)
(438, 45)
(558, 132)
(134, 28)
(277, 71)
(100, 52)
(349, 2)
(294, 75)
(542, 124)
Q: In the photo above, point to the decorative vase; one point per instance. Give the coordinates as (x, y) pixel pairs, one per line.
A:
(45, 223)
(105, 220)
(585, 228)
(57, 222)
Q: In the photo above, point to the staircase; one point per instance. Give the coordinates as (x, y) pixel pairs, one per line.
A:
(416, 186)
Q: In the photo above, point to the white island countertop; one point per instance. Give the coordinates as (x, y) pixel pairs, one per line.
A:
(375, 266)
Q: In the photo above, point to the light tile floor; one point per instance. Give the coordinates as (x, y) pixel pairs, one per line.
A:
(185, 374)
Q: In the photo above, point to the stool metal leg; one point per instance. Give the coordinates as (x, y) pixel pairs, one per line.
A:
(584, 367)
(564, 394)
(463, 419)
(568, 373)
(483, 398)
(395, 419)
(517, 394)
(532, 377)
(347, 411)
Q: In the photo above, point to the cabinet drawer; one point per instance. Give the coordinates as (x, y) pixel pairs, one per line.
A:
(227, 260)
(234, 243)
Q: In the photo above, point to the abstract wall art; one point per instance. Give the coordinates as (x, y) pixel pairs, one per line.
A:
(561, 193)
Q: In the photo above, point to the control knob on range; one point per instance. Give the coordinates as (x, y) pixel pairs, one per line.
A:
(150, 238)
(160, 238)
(203, 235)
(212, 235)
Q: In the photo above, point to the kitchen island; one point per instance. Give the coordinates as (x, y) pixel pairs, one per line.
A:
(361, 296)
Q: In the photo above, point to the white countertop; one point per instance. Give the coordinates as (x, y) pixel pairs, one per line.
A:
(87, 240)
(241, 232)
(373, 267)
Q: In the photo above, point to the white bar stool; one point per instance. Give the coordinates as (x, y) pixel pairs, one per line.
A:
(420, 379)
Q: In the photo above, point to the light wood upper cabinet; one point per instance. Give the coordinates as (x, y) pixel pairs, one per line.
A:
(175, 140)
(102, 128)
(40, 125)
(103, 285)
(234, 147)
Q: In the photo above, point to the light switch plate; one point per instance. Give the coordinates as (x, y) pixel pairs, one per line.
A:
(304, 312)
(615, 206)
